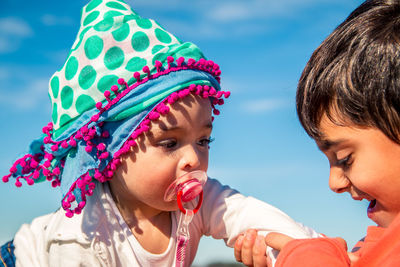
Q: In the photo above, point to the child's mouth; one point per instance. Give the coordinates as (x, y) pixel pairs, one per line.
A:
(371, 207)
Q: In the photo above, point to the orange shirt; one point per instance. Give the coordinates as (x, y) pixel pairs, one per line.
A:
(381, 247)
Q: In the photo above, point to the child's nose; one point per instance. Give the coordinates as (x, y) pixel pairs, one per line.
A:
(338, 182)
(191, 159)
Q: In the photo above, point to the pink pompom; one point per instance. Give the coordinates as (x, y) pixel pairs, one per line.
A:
(191, 61)
(104, 155)
(72, 143)
(179, 61)
(101, 147)
(105, 134)
(99, 105)
(69, 214)
(154, 115)
(6, 178)
(146, 69)
(136, 75)
(81, 204)
(13, 169)
(120, 81)
(95, 118)
(56, 171)
(64, 144)
(66, 205)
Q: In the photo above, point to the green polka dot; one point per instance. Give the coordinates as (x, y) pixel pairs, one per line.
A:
(160, 56)
(80, 38)
(162, 36)
(92, 5)
(67, 96)
(144, 23)
(114, 58)
(121, 33)
(106, 82)
(116, 5)
(156, 48)
(93, 47)
(55, 86)
(104, 25)
(91, 17)
(54, 114)
(83, 103)
(136, 64)
(129, 18)
(112, 13)
(71, 68)
(87, 77)
(140, 41)
(64, 119)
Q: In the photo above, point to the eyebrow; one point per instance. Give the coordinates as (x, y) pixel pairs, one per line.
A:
(327, 144)
(165, 128)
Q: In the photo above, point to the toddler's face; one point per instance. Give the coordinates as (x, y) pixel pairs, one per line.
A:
(176, 144)
(365, 163)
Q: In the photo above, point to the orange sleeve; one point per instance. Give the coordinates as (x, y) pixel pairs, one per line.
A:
(315, 252)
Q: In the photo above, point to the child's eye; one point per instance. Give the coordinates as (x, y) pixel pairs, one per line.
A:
(206, 141)
(168, 144)
(345, 162)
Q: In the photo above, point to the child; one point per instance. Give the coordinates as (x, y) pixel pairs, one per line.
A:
(348, 101)
(132, 115)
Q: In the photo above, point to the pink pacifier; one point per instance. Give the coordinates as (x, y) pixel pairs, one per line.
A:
(186, 188)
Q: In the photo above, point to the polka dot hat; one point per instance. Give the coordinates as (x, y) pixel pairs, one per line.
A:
(122, 72)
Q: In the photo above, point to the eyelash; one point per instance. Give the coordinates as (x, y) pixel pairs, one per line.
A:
(170, 144)
(344, 162)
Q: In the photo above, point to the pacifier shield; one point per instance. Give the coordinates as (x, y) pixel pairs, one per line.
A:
(190, 185)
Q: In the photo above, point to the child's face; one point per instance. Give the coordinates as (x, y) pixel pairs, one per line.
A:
(365, 163)
(176, 144)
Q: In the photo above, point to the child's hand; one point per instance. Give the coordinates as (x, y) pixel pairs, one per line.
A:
(250, 249)
(277, 241)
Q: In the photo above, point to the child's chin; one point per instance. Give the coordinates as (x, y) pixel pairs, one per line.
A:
(382, 221)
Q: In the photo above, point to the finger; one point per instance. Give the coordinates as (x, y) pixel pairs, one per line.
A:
(277, 240)
(238, 248)
(247, 247)
(353, 258)
(259, 252)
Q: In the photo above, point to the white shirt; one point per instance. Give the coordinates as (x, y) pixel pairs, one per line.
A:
(100, 237)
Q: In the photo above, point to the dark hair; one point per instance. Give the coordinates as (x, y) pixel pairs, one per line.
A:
(355, 73)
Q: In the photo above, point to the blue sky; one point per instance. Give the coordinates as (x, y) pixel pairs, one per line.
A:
(259, 149)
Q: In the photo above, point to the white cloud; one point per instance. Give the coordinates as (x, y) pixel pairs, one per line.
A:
(51, 20)
(264, 105)
(12, 32)
(239, 10)
(15, 27)
(25, 99)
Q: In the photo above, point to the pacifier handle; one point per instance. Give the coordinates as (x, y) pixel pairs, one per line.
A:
(179, 199)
